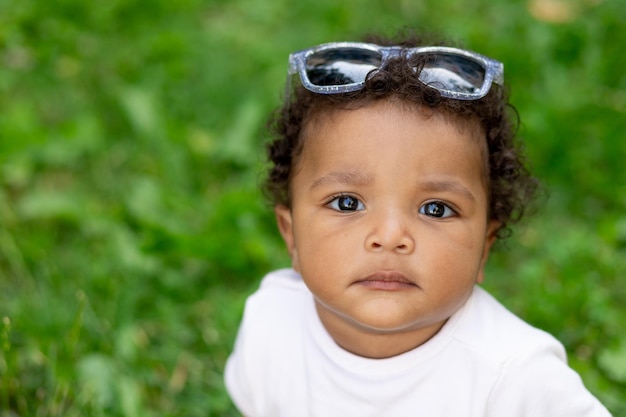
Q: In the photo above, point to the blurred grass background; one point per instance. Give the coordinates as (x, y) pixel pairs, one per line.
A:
(131, 228)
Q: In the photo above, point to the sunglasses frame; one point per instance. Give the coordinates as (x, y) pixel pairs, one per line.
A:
(494, 70)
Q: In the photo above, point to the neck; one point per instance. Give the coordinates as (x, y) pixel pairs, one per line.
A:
(371, 343)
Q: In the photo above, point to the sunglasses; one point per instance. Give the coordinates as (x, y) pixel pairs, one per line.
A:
(342, 67)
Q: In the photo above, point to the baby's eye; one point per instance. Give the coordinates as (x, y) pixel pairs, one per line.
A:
(437, 209)
(346, 203)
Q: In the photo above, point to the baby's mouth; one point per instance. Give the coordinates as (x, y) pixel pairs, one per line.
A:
(387, 280)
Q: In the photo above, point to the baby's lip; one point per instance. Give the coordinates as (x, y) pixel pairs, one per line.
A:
(387, 277)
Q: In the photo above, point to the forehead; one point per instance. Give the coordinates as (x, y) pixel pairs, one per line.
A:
(326, 127)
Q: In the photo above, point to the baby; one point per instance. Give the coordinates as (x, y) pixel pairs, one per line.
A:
(394, 171)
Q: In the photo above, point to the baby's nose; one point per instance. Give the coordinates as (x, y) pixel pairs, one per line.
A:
(390, 233)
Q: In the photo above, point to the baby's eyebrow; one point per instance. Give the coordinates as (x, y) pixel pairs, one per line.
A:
(449, 186)
(343, 177)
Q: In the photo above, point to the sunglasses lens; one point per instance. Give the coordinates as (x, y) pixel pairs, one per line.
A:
(453, 73)
(341, 66)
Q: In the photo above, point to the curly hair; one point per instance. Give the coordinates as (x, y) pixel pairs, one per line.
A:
(510, 185)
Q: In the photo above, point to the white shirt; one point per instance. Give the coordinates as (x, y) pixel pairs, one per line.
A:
(484, 362)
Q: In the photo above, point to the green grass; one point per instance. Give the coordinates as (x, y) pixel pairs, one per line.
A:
(131, 228)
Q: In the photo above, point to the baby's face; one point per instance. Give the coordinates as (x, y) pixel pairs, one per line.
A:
(388, 224)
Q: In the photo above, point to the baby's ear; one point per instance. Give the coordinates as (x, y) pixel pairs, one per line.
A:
(491, 235)
(285, 226)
